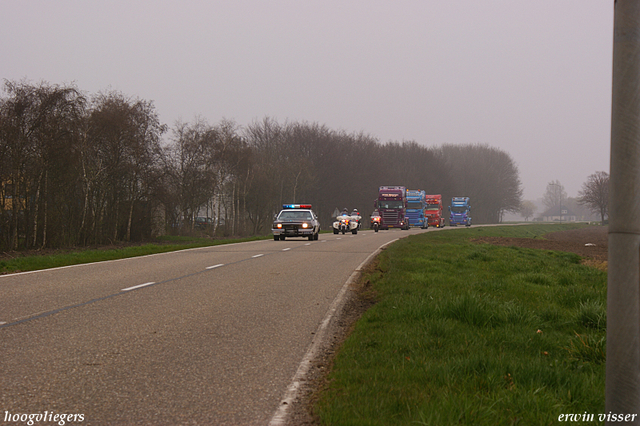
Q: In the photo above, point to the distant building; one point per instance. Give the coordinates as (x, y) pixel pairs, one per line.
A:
(559, 214)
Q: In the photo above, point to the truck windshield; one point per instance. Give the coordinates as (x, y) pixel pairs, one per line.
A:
(433, 206)
(414, 205)
(458, 209)
(390, 204)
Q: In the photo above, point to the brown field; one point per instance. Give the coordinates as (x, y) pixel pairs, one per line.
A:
(574, 241)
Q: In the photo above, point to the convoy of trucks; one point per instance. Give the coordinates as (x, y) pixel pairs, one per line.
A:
(398, 207)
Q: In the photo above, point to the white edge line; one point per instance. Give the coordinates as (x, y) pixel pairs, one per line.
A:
(137, 286)
(215, 266)
(280, 416)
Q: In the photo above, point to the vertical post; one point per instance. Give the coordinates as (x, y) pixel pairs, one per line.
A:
(623, 293)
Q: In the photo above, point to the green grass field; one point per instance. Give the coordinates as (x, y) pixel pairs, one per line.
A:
(473, 334)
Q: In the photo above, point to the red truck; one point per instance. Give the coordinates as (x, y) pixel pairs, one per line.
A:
(433, 211)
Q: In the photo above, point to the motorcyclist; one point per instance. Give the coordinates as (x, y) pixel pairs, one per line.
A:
(355, 214)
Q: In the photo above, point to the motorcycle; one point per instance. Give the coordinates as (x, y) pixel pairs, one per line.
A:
(375, 223)
(345, 223)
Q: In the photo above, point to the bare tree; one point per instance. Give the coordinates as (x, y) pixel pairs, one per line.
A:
(189, 170)
(124, 137)
(595, 194)
(554, 195)
(38, 134)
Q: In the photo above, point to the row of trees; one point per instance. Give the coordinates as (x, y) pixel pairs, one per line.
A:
(78, 169)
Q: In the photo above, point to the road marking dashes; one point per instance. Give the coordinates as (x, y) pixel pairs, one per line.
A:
(137, 286)
(215, 266)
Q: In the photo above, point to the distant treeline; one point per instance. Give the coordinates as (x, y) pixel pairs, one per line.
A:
(78, 169)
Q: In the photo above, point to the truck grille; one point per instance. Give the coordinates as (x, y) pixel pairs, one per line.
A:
(390, 216)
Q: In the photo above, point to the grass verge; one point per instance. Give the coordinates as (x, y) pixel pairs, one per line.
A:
(74, 257)
(473, 334)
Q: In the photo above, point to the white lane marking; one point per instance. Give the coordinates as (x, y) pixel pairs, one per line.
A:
(215, 266)
(288, 248)
(308, 244)
(137, 286)
(2, 322)
(258, 255)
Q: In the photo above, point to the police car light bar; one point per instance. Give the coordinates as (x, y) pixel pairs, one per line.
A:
(296, 206)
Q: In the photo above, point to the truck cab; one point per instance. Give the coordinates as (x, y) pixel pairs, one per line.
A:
(416, 205)
(433, 210)
(460, 211)
(392, 207)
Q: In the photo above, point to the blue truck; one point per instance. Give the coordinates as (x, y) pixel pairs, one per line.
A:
(416, 205)
(460, 211)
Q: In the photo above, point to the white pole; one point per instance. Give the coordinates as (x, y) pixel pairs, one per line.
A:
(623, 292)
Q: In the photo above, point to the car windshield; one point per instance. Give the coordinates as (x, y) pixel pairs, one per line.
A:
(414, 205)
(294, 215)
(458, 209)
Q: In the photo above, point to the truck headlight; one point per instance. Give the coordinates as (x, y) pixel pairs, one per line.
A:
(305, 225)
(279, 226)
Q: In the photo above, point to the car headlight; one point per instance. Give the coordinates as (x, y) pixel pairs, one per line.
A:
(279, 226)
(305, 225)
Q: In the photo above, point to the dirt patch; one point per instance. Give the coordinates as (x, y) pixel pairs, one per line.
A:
(591, 243)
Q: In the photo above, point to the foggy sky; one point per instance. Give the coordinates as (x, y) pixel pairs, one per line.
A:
(532, 78)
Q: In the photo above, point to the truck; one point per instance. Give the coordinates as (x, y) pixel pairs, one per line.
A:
(392, 207)
(416, 205)
(460, 211)
(433, 211)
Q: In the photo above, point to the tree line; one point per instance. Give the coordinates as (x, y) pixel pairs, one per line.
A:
(81, 169)
(592, 199)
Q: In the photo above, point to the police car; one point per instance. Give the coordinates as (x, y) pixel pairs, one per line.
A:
(296, 220)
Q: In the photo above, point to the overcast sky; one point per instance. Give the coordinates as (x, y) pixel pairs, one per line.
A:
(532, 78)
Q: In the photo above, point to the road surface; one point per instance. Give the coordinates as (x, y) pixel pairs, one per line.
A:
(196, 337)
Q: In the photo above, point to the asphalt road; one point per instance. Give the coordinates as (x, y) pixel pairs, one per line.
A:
(209, 336)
